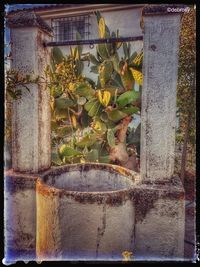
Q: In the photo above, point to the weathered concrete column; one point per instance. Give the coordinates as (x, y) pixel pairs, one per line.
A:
(31, 113)
(158, 115)
(31, 137)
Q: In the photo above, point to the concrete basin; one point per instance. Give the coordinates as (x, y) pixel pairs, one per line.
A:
(84, 211)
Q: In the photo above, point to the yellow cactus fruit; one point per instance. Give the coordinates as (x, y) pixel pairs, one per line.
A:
(137, 75)
(104, 98)
(102, 28)
(74, 121)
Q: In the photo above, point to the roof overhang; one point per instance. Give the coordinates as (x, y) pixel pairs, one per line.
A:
(56, 12)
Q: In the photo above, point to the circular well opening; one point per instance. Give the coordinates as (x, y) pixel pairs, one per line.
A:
(90, 178)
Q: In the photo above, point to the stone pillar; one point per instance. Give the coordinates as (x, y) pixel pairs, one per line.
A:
(158, 115)
(31, 149)
(31, 143)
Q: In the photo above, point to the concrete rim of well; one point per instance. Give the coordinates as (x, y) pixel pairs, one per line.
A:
(43, 187)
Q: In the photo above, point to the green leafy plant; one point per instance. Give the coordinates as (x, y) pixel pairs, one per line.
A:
(15, 81)
(15, 84)
(90, 119)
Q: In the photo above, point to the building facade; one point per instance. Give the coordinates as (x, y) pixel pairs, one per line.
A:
(67, 19)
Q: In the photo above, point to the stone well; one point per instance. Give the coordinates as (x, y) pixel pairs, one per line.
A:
(96, 211)
(84, 211)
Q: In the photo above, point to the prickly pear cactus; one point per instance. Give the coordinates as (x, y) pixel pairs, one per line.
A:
(90, 120)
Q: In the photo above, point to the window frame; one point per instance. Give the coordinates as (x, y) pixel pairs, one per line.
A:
(71, 23)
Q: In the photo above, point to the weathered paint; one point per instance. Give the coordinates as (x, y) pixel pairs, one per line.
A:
(88, 221)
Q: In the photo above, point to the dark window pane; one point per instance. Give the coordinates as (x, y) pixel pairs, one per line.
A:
(65, 29)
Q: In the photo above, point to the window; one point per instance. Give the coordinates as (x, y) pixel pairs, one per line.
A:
(65, 28)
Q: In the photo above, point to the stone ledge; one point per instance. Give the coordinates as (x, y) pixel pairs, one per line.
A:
(28, 19)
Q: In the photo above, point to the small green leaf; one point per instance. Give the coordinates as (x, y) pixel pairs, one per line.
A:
(92, 106)
(92, 156)
(63, 103)
(79, 67)
(66, 151)
(125, 48)
(104, 116)
(127, 98)
(57, 55)
(110, 124)
(105, 72)
(85, 90)
(56, 159)
(129, 49)
(103, 51)
(130, 110)
(79, 47)
(87, 140)
(94, 109)
(104, 159)
(115, 61)
(93, 59)
(116, 80)
(90, 103)
(116, 115)
(110, 138)
(61, 114)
